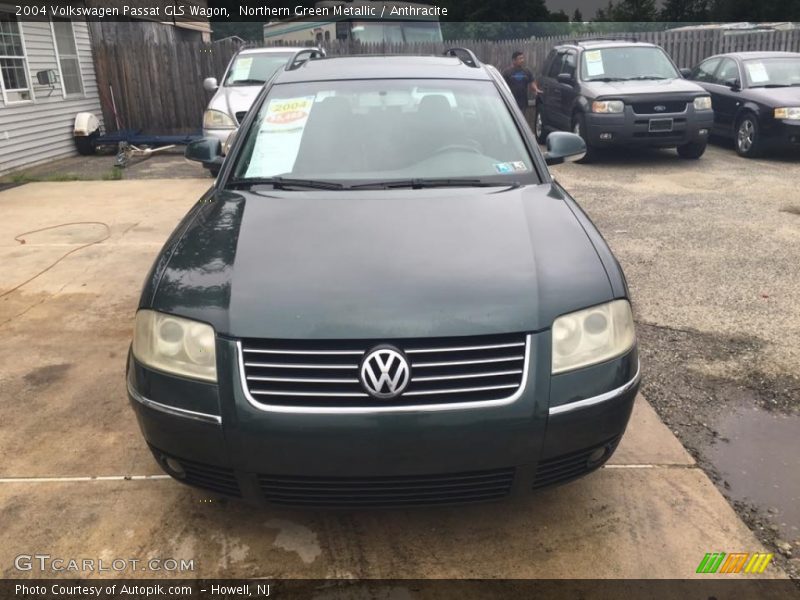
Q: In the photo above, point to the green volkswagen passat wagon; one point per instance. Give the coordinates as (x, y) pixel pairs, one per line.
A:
(383, 300)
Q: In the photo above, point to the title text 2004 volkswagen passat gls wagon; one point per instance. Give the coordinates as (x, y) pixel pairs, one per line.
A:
(384, 300)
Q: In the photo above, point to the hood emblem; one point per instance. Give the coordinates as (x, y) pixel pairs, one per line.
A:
(385, 373)
(659, 108)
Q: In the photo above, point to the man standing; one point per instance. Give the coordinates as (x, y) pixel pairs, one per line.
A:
(520, 79)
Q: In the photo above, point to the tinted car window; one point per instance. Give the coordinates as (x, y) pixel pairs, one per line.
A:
(627, 62)
(705, 70)
(555, 66)
(568, 65)
(783, 71)
(373, 130)
(728, 70)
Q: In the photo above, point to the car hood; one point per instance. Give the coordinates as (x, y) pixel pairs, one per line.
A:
(788, 96)
(388, 264)
(234, 99)
(665, 86)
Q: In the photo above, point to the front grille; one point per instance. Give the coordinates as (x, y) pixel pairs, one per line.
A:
(561, 469)
(649, 108)
(326, 373)
(385, 492)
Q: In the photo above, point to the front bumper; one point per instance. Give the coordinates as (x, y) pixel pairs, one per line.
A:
(782, 134)
(558, 429)
(632, 129)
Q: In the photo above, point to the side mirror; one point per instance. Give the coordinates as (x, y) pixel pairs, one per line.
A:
(685, 72)
(204, 150)
(210, 84)
(564, 78)
(562, 145)
(734, 84)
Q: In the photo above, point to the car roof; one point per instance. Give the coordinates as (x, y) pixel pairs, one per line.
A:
(595, 44)
(382, 67)
(756, 55)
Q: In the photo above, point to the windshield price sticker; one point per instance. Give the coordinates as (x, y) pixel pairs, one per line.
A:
(757, 72)
(594, 63)
(279, 136)
(241, 70)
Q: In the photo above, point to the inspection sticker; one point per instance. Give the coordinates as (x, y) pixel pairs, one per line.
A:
(279, 136)
(519, 166)
(594, 63)
(504, 167)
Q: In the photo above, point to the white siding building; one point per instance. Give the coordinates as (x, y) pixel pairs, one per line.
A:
(36, 117)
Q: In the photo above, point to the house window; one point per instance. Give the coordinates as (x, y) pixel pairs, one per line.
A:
(68, 62)
(14, 80)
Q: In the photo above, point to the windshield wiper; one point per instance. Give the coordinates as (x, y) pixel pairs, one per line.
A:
(416, 184)
(283, 183)
(607, 79)
(644, 77)
(248, 82)
(774, 85)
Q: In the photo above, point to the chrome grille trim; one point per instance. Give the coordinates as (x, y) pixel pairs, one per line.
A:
(300, 379)
(462, 390)
(306, 352)
(456, 363)
(465, 348)
(518, 388)
(291, 366)
(468, 376)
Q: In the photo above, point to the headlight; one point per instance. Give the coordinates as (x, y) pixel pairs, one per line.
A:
(591, 336)
(788, 112)
(608, 106)
(215, 119)
(702, 103)
(175, 345)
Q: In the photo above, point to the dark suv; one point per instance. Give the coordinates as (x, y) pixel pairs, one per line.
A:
(622, 93)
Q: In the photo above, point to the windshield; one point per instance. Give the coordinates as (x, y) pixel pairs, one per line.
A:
(411, 31)
(773, 72)
(383, 130)
(255, 69)
(626, 63)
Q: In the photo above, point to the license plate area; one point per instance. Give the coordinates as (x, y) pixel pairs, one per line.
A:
(658, 125)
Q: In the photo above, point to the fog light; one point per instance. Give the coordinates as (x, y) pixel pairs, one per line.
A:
(596, 456)
(605, 136)
(703, 131)
(173, 467)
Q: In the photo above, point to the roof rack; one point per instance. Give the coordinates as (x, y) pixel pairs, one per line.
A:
(470, 59)
(296, 61)
(600, 39)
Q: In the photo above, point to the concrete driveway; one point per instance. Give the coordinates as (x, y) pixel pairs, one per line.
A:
(77, 480)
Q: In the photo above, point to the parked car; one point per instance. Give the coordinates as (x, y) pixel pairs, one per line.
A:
(621, 93)
(756, 98)
(384, 300)
(246, 74)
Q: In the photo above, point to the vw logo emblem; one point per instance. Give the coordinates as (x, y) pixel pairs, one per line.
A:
(659, 108)
(385, 373)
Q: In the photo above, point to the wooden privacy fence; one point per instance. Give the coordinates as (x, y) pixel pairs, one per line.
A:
(158, 87)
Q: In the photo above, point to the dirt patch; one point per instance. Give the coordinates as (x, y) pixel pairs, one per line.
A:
(697, 401)
(47, 375)
(791, 209)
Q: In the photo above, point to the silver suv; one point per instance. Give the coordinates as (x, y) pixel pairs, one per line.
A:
(246, 74)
